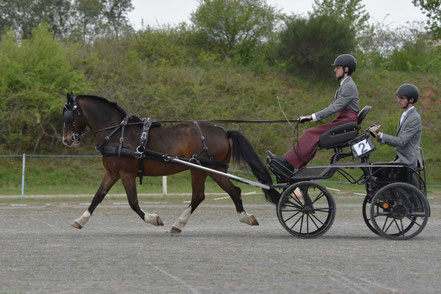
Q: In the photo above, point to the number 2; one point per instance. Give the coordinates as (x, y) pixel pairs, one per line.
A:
(362, 147)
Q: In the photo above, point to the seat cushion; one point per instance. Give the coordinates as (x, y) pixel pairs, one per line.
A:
(339, 135)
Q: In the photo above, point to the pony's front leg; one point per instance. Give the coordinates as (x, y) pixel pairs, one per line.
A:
(129, 183)
(107, 183)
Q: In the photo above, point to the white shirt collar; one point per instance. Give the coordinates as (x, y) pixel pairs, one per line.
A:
(405, 112)
(341, 82)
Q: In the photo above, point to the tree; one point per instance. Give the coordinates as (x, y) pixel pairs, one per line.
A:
(351, 11)
(25, 15)
(432, 9)
(309, 46)
(115, 14)
(230, 24)
(87, 17)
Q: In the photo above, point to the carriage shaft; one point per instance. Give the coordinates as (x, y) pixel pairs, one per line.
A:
(233, 177)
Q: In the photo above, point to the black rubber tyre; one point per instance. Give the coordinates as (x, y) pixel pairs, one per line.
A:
(399, 211)
(307, 214)
(366, 215)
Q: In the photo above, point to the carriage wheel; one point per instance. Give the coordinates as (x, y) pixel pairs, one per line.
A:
(399, 211)
(366, 214)
(306, 210)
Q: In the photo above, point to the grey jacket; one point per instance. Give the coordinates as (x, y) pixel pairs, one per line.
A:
(346, 98)
(407, 139)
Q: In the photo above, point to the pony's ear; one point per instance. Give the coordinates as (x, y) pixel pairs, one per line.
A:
(70, 97)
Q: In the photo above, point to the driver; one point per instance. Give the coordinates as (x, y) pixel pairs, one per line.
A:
(408, 136)
(345, 103)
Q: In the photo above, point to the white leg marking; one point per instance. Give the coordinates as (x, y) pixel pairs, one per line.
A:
(183, 219)
(82, 220)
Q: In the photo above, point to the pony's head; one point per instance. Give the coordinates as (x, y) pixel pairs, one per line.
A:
(74, 122)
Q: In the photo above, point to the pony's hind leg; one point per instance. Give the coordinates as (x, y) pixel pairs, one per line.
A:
(198, 195)
(107, 183)
(129, 183)
(235, 194)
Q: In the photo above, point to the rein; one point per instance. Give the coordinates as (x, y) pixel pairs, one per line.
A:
(240, 121)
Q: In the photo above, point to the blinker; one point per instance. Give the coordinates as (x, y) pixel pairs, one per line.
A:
(68, 119)
(68, 116)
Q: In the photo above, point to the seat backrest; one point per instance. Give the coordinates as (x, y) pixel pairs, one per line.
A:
(362, 114)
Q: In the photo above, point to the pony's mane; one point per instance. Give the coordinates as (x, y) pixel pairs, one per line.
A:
(134, 118)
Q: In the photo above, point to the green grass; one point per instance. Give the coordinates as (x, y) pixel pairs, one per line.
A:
(225, 92)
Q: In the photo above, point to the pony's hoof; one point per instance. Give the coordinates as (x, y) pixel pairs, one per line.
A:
(76, 225)
(159, 221)
(175, 231)
(253, 221)
(153, 219)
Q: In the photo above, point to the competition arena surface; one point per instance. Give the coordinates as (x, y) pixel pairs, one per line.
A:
(118, 253)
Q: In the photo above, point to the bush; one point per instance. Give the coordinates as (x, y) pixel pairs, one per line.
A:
(419, 56)
(309, 46)
(35, 75)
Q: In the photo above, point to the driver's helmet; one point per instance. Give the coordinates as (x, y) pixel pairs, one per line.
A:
(346, 60)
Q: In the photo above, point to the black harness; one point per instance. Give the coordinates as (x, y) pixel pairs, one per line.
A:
(142, 152)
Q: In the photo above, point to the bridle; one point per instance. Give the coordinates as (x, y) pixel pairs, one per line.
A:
(69, 110)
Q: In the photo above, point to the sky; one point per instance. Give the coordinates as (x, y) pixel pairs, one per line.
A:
(394, 13)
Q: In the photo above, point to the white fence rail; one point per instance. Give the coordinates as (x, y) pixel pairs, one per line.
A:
(23, 170)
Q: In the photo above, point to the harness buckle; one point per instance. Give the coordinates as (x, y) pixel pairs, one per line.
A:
(139, 152)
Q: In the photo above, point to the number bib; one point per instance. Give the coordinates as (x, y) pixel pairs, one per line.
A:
(362, 146)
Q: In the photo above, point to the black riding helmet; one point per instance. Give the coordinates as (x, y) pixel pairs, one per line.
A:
(409, 90)
(346, 60)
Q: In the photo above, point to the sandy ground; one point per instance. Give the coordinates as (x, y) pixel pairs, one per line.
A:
(118, 253)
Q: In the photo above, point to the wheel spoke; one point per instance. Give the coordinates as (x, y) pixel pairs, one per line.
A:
(296, 199)
(317, 219)
(318, 197)
(307, 223)
(402, 228)
(300, 218)
(417, 214)
(324, 209)
(413, 221)
(290, 210)
(389, 226)
(398, 227)
(301, 223)
(290, 204)
(385, 221)
(291, 216)
(314, 221)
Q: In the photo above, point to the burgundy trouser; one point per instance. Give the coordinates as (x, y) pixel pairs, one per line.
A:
(304, 150)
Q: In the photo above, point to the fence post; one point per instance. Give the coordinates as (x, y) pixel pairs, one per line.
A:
(23, 175)
(164, 185)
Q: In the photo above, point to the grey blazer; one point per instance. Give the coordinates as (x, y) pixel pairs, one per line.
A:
(407, 139)
(346, 98)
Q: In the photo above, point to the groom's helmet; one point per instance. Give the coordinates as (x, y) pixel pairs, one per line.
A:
(409, 90)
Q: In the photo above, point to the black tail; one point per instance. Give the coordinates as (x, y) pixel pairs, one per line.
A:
(243, 150)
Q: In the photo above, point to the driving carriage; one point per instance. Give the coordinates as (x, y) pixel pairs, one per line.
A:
(395, 205)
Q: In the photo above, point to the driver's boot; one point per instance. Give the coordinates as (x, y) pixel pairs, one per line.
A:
(279, 164)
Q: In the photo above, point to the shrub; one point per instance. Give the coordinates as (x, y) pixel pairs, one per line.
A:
(35, 75)
(309, 46)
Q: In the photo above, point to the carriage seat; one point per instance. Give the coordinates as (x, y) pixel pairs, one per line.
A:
(341, 134)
